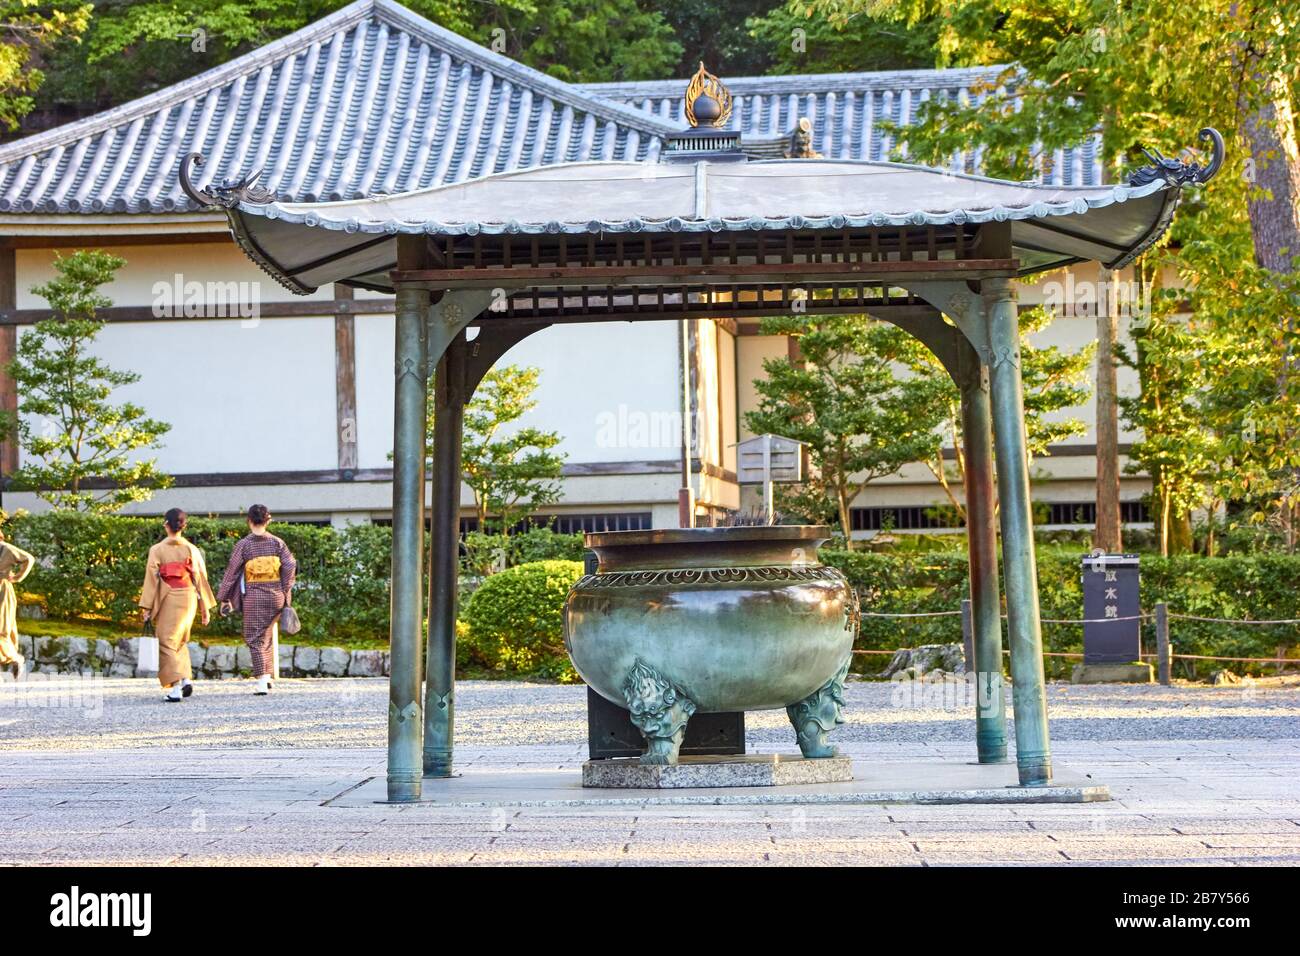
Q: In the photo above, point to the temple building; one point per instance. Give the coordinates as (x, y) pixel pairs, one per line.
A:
(374, 101)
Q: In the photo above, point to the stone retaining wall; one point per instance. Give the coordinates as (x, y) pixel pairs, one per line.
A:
(81, 655)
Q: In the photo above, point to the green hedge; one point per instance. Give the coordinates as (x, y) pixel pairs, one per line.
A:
(1259, 587)
(92, 566)
(515, 620)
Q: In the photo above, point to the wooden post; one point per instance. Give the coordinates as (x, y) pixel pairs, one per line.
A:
(1024, 629)
(1164, 651)
(8, 352)
(345, 383)
(686, 494)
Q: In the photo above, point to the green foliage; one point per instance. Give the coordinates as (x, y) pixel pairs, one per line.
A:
(515, 620)
(860, 419)
(90, 568)
(486, 554)
(1259, 587)
(580, 41)
(28, 30)
(1054, 380)
(797, 41)
(512, 470)
(135, 48)
(1229, 372)
(718, 33)
(77, 445)
(1220, 398)
(1074, 66)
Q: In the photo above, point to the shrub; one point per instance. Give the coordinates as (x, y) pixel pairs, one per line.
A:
(485, 554)
(515, 620)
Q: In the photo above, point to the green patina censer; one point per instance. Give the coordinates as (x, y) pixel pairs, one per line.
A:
(709, 620)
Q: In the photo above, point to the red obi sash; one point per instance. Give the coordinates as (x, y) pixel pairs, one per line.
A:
(177, 574)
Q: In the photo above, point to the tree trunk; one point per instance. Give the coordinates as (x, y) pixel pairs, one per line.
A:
(1180, 532)
(846, 522)
(1108, 533)
(1274, 206)
(1165, 504)
(1274, 210)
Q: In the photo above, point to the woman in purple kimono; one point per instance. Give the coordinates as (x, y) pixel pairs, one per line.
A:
(259, 583)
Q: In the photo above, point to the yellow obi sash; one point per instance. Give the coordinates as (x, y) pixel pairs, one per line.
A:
(263, 570)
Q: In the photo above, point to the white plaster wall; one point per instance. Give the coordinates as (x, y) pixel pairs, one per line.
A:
(375, 359)
(146, 265)
(587, 371)
(619, 371)
(238, 398)
(750, 352)
(727, 398)
(593, 377)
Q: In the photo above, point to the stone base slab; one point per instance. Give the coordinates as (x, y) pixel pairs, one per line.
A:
(1113, 674)
(881, 781)
(702, 772)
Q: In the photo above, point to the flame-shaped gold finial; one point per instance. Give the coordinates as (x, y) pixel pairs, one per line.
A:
(708, 102)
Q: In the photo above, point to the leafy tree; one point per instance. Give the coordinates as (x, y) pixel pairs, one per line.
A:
(1078, 66)
(71, 434)
(860, 419)
(1054, 380)
(581, 41)
(1245, 395)
(134, 48)
(512, 471)
(796, 41)
(29, 29)
(717, 33)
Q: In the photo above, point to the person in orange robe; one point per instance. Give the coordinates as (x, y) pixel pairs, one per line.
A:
(175, 590)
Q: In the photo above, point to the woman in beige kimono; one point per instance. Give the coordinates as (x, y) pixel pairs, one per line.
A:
(15, 564)
(175, 589)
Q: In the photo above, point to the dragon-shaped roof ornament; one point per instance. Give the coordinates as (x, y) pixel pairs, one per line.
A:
(1175, 172)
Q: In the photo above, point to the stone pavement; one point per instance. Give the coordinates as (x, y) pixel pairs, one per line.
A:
(1199, 775)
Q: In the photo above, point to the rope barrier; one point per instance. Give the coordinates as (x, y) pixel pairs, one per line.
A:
(1104, 620)
(916, 614)
(1091, 620)
(1253, 660)
(1224, 620)
(1145, 616)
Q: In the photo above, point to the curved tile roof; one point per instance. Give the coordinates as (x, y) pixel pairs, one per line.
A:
(846, 111)
(305, 245)
(372, 99)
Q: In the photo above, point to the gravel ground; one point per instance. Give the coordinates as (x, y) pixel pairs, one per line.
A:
(351, 712)
(1203, 776)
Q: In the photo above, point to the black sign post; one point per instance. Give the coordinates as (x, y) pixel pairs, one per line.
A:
(1111, 605)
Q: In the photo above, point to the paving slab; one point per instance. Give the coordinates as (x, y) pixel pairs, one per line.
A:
(1197, 776)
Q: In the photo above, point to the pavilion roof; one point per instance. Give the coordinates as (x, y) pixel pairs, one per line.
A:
(306, 245)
